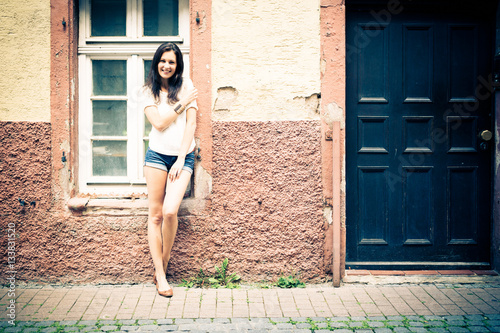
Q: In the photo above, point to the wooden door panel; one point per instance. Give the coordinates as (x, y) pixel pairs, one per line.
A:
(418, 184)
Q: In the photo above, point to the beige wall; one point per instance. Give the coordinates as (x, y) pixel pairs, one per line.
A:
(265, 59)
(25, 60)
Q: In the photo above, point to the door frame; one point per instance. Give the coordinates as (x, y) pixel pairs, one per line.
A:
(333, 88)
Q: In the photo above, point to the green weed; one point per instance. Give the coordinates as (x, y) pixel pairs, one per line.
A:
(221, 278)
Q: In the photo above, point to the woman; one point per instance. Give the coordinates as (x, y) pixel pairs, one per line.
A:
(169, 102)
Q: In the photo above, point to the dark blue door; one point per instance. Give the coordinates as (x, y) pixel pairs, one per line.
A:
(418, 171)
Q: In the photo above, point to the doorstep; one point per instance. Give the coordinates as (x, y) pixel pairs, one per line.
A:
(447, 277)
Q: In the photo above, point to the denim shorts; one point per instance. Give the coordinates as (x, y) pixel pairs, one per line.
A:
(165, 162)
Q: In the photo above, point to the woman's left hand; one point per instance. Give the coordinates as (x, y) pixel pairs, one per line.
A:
(176, 169)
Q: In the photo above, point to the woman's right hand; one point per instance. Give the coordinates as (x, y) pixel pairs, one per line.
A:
(191, 95)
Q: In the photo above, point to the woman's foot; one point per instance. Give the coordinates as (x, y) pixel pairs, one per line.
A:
(162, 286)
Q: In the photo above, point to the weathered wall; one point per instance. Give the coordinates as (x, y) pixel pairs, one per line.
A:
(265, 59)
(266, 212)
(262, 159)
(25, 69)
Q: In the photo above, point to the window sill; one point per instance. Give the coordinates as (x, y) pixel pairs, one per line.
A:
(128, 207)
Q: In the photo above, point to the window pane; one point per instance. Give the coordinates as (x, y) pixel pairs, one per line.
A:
(109, 158)
(147, 68)
(109, 77)
(108, 17)
(147, 126)
(109, 118)
(161, 17)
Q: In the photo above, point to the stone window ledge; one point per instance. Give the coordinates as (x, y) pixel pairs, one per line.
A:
(135, 207)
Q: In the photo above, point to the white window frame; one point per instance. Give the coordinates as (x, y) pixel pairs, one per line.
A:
(135, 49)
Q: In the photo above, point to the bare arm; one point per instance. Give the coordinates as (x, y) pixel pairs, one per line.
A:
(162, 122)
(187, 138)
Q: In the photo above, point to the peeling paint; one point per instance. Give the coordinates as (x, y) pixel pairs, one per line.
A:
(327, 214)
(203, 182)
(225, 98)
(333, 113)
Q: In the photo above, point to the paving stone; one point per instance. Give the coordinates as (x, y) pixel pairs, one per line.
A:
(146, 322)
(107, 322)
(453, 317)
(383, 330)
(455, 329)
(475, 323)
(456, 323)
(474, 317)
(221, 320)
(478, 329)
(413, 318)
(416, 324)
(30, 329)
(363, 330)
(395, 318)
(149, 328)
(493, 316)
(338, 324)
(438, 330)
(321, 325)
(13, 329)
(436, 323)
(343, 330)
(494, 322)
(358, 318)
(299, 319)
(433, 318)
(89, 329)
(284, 326)
(44, 323)
(107, 328)
(23, 323)
(318, 318)
(303, 325)
(129, 328)
(355, 324)
(258, 320)
(89, 322)
(168, 328)
(301, 330)
(376, 318)
(280, 320)
(418, 329)
(198, 321)
(262, 326)
(324, 331)
(49, 330)
(5, 324)
(375, 324)
(339, 319)
(395, 323)
(240, 320)
(495, 328)
(401, 330)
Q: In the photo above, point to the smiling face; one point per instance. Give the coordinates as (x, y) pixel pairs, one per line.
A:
(167, 65)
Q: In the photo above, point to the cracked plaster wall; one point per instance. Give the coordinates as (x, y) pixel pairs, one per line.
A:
(269, 55)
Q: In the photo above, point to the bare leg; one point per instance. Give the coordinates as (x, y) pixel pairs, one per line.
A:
(173, 198)
(156, 180)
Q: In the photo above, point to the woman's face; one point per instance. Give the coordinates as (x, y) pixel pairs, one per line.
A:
(167, 65)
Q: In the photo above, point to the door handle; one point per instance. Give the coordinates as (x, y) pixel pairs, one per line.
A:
(486, 135)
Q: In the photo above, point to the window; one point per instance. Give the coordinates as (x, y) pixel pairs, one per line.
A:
(117, 41)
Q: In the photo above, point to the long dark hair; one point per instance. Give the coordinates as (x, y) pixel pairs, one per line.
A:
(175, 82)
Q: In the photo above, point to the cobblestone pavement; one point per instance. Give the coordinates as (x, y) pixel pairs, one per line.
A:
(378, 324)
(382, 308)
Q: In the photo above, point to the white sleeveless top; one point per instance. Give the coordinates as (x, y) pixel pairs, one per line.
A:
(168, 141)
